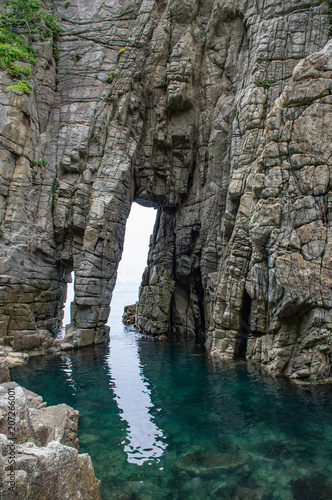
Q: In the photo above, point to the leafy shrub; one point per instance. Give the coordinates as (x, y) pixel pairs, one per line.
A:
(109, 79)
(22, 86)
(38, 163)
(265, 83)
(55, 52)
(265, 109)
(23, 21)
(16, 71)
(26, 17)
(329, 10)
(13, 48)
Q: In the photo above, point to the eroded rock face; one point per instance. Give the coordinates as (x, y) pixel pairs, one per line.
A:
(35, 421)
(289, 277)
(44, 440)
(129, 314)
(200, 116)
(4, 372)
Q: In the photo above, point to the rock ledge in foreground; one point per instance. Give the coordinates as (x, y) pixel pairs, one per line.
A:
(44, 447)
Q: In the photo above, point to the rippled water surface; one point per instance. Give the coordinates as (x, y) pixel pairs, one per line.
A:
(164, 421)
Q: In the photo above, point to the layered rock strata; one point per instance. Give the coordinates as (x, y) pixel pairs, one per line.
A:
(217, 113)
(42, 447)
(288, 284)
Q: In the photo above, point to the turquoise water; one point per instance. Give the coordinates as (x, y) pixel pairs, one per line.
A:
(164, 421)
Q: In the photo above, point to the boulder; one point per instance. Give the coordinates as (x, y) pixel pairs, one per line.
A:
(44, 445)
(129, 315)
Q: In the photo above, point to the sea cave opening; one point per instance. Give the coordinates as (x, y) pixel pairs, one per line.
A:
(66, 314)
(244, 330)
(139, 227)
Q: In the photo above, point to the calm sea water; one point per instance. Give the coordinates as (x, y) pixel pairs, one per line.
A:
(164, 421)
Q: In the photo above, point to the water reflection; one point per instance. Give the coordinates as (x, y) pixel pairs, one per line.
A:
(145, 441)
(67, 367)
(232, 432)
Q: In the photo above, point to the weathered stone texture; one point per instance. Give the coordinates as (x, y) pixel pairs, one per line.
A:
(4, 372)
(129, 314)
(47, 463)
(203, 119)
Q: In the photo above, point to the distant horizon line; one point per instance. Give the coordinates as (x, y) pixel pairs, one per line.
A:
(128, 283)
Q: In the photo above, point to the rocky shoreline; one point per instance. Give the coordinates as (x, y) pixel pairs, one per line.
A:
(39, 448)
(12, 357)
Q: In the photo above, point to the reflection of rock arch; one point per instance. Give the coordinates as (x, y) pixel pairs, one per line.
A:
(145, 441)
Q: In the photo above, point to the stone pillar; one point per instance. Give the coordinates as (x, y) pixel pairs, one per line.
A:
(96, 268)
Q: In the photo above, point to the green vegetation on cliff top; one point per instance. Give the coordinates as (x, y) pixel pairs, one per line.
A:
(22, 22)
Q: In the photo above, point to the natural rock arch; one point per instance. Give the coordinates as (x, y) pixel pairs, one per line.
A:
(179, 119)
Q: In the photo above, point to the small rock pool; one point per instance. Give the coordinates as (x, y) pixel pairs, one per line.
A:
(165, 421)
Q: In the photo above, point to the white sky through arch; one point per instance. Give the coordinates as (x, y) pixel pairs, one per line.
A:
(145, 441)
(139, 228)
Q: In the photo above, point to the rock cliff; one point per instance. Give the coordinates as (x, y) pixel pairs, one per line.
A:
(217, 113)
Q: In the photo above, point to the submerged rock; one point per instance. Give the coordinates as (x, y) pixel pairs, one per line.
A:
(315, 486)
(202, 463)
(161, 338)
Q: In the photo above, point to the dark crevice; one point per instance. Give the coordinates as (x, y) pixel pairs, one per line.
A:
(200, 324)
(244, 330)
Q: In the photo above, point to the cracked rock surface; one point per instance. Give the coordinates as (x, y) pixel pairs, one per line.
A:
(217, 113)
(44, 444)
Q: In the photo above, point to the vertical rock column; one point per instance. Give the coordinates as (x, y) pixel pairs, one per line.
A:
(95, 273)
(157, 287)
(101, 110)
(279, 37)
(31, 277)
(290, 227)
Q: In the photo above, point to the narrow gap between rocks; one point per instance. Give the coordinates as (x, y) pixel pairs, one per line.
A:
(139, 228)
(66, 311)
(242, 340)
